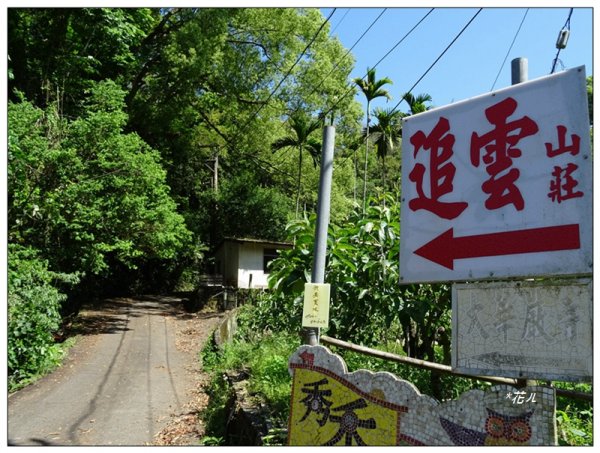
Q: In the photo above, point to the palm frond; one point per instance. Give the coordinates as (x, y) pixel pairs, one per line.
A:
(283, 142)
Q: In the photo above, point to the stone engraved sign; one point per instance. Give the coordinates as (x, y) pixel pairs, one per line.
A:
(523, 329)
(330, 406)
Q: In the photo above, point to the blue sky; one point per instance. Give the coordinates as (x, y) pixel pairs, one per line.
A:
(471, 65)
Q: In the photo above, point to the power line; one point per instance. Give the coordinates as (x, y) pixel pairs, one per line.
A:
(230, 142)
(286, 75)
(340, 21)
(403, 38)
(351, 87)
(359, 39)
(509, 49)
(561, 42)
(437, 59)
(335, 66)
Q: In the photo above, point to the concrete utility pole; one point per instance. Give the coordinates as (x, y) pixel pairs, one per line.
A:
(311, 334)
(519, 70)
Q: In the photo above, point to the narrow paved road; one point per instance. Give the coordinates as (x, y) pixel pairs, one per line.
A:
(123, 382)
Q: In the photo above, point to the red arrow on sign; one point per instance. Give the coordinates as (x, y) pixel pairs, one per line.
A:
(446, 248)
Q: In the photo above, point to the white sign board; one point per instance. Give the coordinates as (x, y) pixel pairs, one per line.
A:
(499, 185)
(540, 330)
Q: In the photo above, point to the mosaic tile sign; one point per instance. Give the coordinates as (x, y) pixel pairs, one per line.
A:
(523, 329)
(330, 406)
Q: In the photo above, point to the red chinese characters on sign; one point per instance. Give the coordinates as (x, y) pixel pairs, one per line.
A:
(499, 152)
(496, 149)
(562, 184)
(441, 172)
(563, 148)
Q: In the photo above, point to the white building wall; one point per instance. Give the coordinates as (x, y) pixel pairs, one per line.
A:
(250, 271)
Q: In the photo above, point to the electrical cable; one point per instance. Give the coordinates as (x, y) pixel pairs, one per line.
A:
(351, 86)
(403, 38)
(567, 26)
(230, 143)
(286, 75)
(437, 59)
(509, 49)
(335, 66)
(341, 20)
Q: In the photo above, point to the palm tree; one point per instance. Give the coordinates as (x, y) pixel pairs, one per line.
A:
(302, 126)
(386, 134)
(417, 104)
(352, 147)
(372, 89)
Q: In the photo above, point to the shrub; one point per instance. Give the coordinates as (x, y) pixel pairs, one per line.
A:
(33, 314)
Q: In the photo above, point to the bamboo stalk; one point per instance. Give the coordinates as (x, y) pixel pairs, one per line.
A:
(439, 367)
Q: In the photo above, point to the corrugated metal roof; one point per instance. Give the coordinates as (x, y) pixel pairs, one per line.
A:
(255, 241)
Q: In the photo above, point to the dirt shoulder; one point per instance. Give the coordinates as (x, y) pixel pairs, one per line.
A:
(191, 336)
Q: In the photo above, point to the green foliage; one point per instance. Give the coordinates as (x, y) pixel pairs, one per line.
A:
(302, 126)
(215, 414)
(362, 268)
(246, 209)
(417, 104)
(264, 357)
(269, 376)
(67, 49)
(33, 315)
(94, 168)
(203, 93)
(372, 89)
(575, 428)
(89, 188)
(575, 418)
(211, 441)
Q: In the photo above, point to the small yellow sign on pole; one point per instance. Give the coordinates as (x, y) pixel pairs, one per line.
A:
(316, 305)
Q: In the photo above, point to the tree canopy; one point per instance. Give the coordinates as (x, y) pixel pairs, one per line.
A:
(139, 137)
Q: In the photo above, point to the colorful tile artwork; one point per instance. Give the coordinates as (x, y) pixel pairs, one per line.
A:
(330, 406)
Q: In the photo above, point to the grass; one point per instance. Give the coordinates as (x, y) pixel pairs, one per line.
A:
(574, 418)
(265, 359)
(266, 363)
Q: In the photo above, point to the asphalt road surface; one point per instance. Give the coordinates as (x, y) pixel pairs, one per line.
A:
(121, 384)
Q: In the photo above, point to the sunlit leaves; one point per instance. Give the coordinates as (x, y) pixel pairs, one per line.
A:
(83, 190)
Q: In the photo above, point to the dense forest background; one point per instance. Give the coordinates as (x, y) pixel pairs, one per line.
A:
(138, 138)
(117, 118)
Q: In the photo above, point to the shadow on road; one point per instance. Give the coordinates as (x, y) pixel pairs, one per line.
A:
(32, 441)
(111, 315)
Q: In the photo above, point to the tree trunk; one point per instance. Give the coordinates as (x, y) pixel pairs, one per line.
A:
(299, 181)
(383, 164)
(366, 160)
(355, 174)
